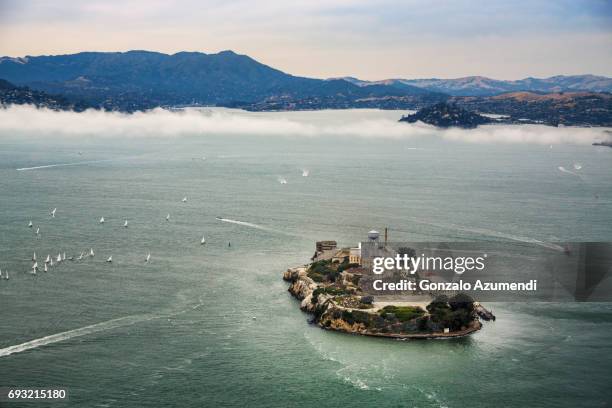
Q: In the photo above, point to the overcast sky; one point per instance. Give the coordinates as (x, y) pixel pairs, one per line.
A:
(369, 39)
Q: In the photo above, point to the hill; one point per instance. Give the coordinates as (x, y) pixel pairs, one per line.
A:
(483, 86)
(567, 108)
(447, 115)
(11, 94)
(141, 79)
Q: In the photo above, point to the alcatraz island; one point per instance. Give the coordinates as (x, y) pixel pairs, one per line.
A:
(336, 288)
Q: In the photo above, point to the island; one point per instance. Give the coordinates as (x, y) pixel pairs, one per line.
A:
(331, 289)
(447, 115)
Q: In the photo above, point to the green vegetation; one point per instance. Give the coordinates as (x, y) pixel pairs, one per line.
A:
(322, 271)
(454, 313)
(402, 313)
(327, 271)
(329, 291)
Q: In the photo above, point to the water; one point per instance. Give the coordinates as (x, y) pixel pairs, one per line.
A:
(213, 325)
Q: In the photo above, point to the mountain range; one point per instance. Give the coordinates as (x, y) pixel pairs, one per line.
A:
(229, 78)
(483, 86)
(139, 80)
(142, 79)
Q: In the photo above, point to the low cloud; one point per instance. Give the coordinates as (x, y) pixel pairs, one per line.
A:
(26, 120)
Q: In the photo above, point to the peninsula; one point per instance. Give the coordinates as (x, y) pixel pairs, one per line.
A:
(336, 289)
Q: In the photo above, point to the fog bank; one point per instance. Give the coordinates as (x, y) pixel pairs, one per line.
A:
(25, 120)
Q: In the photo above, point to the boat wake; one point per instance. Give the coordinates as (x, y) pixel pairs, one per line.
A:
(48, 166)
(252, 225)
(564, 170)
(94, 328)
(91, 329)
(497, 234)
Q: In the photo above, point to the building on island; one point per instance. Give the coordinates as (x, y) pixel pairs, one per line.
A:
(326, 245)
(325, 250)
(361, 255)
(341, 255)
(355, 255)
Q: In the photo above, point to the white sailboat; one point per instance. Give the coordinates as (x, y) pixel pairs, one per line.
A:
(37, 230)
(48, 259)
(30, 224)
(59, 258)
(53, 212)
(35, 267)
(125, 224)
(80, 256)
(203, 241)
(102, 220)
(110, 259)
(34, 256)
(51, 262)
(305, 173)
(148, 257)
(64, 256)
(46, 269)
(168, 217)
(184, 199)
(6, 276)
(91, 252)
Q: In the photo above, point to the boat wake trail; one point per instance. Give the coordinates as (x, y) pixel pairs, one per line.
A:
(564, 170)
(93, 328)
(251, 225)
(497, 234)
(54, 338)
(48, 166)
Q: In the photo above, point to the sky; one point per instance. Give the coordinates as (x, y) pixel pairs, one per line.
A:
(368, 39)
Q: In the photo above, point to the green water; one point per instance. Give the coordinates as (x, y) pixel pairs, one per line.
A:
(212, 325)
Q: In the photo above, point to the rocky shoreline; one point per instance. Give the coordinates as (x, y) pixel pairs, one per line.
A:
(317, 299)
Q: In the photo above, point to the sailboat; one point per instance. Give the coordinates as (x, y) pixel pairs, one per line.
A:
(51, 262)
(34, 256)
(305, 173)
(125, 224)
(59, 258)
(48, 259)
(80, 256)
(148, 257)
(46, 270)
(37, 230)
(6, 277)
(102, 220)
(91, 252)
(203, 241)
(30, 224)
(53, 212)
(110, 259)
(168, 217)
(34, 267)
(64, 256)
(184, 199)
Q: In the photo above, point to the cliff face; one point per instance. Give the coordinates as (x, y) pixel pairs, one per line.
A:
(302, 287)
